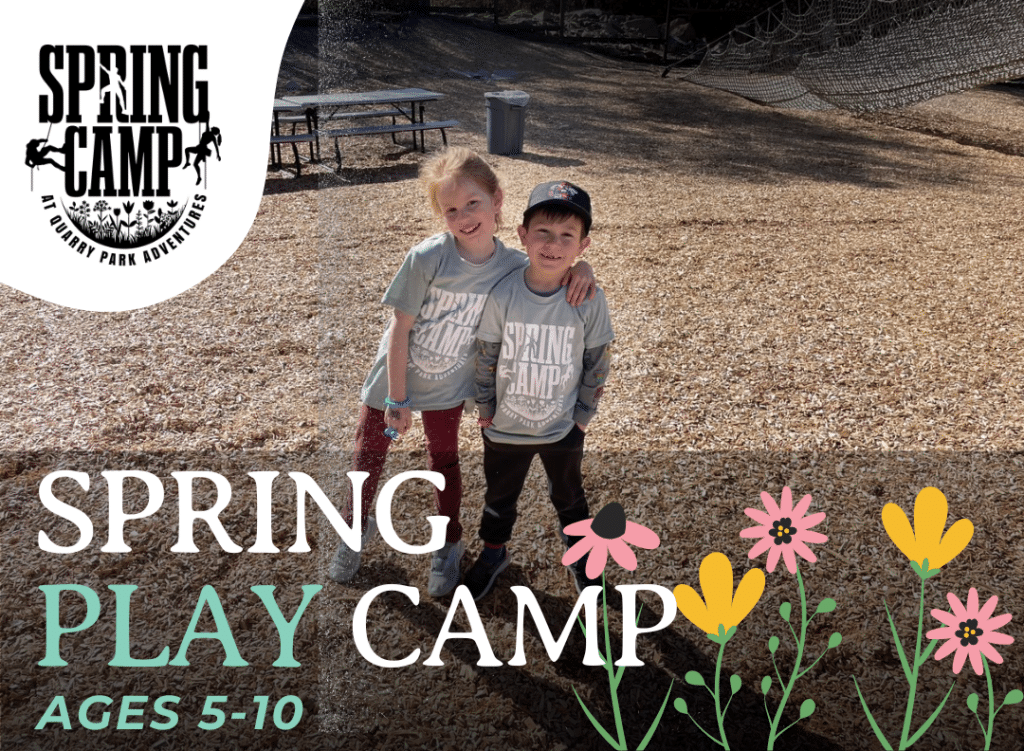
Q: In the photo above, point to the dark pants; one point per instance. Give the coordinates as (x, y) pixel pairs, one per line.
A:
(505, 468)
(441, 431)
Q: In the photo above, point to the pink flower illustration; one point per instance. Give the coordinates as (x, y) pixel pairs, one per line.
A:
(784, 531)
(608, 532)
(970, 632)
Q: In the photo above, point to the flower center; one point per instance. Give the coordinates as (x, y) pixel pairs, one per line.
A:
(610, 522)
(783, 531)
(969, 632)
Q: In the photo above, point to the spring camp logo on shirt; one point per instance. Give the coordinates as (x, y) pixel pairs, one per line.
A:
(123, 149)
(537, 365)
(442, 339)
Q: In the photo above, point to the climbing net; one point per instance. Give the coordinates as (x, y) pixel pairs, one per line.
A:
(865, 55)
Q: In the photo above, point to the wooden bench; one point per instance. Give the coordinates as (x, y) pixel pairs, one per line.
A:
(369, 130)
(294, 139)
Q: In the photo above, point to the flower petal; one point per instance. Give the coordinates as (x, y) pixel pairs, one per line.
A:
(623, 554)
(770, 505)
(758, 516)
(716, 586)
(998, 622)
(747, 594)
(997, 637)
(986, 649)
(755, 531)
(804, 552)
(950, 619)
(762, 545)
(942, 632)
(579, 528)
(958, 659)
(972, 602)
(692, 606)
(597, 560)
(789, 557)
(786, 502)
(773, 557)
(975, 655)
(988, 609)
(930, 513)
(946, 649)
(897, 526)
(578, 550)
(812, 536)
(958, 607)
(952, 543)
(812, 521)
(801, 509)
(641, 536)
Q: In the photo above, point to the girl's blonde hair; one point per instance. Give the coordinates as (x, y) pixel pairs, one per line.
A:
(458, 161)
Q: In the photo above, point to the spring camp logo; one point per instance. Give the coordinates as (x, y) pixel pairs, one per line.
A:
(125, 149)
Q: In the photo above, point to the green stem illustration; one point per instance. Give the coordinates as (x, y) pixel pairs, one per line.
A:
(911, 671)
(991, 704)
(614, 678)
(1016, 696)
(808, 706)
(774, 732)
(718, 698)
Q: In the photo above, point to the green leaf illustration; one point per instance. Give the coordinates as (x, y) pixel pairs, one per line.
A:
(806, 709)
(766, 684)
(694, 678)
(826, 606)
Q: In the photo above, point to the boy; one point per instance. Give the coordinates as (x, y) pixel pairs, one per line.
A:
(541, 368)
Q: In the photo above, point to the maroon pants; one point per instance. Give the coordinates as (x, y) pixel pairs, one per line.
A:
(441, 429)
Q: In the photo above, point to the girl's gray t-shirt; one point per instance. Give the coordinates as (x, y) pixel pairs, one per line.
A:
(540, 365)
(446, 294)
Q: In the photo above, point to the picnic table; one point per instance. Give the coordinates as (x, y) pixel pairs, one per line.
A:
(277, 138)
(405, 108)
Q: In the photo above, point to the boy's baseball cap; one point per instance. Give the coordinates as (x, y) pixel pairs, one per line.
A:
(560, 194)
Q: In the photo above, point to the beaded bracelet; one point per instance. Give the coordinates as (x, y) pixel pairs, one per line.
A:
(388, 402)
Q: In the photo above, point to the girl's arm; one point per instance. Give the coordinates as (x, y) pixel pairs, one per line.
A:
(581, 282)
(398, 361)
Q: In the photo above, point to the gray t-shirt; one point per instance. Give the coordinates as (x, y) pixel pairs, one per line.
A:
(540, 365)
(446, 294)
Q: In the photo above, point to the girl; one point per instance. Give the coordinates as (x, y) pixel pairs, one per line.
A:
(425, 361)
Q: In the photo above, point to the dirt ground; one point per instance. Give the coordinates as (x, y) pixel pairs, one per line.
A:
(822, 301)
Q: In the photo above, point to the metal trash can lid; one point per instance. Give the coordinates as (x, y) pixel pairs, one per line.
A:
(514, 98)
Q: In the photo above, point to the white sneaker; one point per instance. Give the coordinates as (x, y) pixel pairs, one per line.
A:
(346, 560)
(444, 569)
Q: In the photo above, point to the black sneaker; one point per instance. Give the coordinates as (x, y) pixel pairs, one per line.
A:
(582, 581)
(480, 577)
(580, 578)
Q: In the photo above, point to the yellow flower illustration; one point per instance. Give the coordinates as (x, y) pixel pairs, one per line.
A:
(722, 612)
(925, 541)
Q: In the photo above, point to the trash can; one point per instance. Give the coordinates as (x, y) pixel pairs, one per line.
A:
(506, 118)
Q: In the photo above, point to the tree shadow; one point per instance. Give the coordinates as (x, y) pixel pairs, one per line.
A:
(555, 162)
(702, 130)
